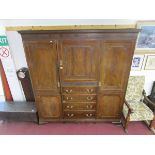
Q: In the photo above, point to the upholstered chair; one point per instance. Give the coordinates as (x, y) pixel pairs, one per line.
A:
(134, 108)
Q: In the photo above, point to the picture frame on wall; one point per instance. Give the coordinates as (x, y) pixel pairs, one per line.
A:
(150, 62)
(146, 37)
(137, 62)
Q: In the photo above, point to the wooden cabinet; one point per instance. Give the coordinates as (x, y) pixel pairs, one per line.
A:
(49, 106)
(79, 75)
(42, 61)
(115, 64)
(109, 105)
(79, 60)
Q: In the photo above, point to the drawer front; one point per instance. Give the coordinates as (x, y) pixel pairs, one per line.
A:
(79, 98)
(79, 90)
(79, 114)
(79, 106)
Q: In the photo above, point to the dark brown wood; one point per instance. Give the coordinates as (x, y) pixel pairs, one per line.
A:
(79, 61)
(26, 84)
(49, 106)
(152, 123)
(116, 59)
(79, 98)
(79, 75)
(149, 103)
(79, 106)
(152, 95)
(79, 114)
(42, 61)
(109, 105)
(132, 30)
(127, 119)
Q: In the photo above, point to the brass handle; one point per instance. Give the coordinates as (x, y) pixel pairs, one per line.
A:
(89, 115)
(99, 84)
(89, 106)
(52, 42)
(70, 115)
(89, 98)
(58, 84)
(69, 107)
(89, 90)
(69, 98)
(68, 91)
(61, 64)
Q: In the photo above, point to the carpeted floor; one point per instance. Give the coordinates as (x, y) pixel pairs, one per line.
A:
(30, 128)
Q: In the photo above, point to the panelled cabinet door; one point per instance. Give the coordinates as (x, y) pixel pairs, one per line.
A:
(115, 65)
(49, 106)
(79, 60)
(43, 66)
(109, 106)
(42, 62)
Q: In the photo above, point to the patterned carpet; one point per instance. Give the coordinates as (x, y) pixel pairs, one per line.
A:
(30, 128)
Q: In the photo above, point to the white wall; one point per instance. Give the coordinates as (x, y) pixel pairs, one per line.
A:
(16, 48)
(49, 22)
(149, 78)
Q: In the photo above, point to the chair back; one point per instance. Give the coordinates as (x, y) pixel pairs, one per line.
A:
(135, 88)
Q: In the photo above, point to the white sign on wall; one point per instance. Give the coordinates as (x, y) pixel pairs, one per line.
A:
(9, 69)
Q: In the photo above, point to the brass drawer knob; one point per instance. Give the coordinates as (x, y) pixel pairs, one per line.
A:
(89, 115)
(69, 107)
(89, 98)
(89, 90)
(70, 115)
(89, 106)
(68, 91)
(69, 98)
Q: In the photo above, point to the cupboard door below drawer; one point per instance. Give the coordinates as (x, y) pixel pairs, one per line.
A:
(49, 106)
(109, 105)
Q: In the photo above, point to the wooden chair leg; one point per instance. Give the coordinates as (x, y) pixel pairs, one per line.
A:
(126, 125)
(127, 122)
(151, 123)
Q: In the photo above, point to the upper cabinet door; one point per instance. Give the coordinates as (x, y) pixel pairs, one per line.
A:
(42, 62)
(116, 58)
(79, 60)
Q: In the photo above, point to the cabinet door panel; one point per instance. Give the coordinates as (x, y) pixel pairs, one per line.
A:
(80, 60)
(115, 65)
(49, 106)
(42, 62)
(109, 105)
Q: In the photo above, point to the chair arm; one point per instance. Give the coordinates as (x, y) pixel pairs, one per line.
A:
(148, 100)
(129, 107)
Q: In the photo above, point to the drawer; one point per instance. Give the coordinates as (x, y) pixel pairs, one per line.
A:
(79, 114)
(79, 98)
(79, 106)
(79, 90)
